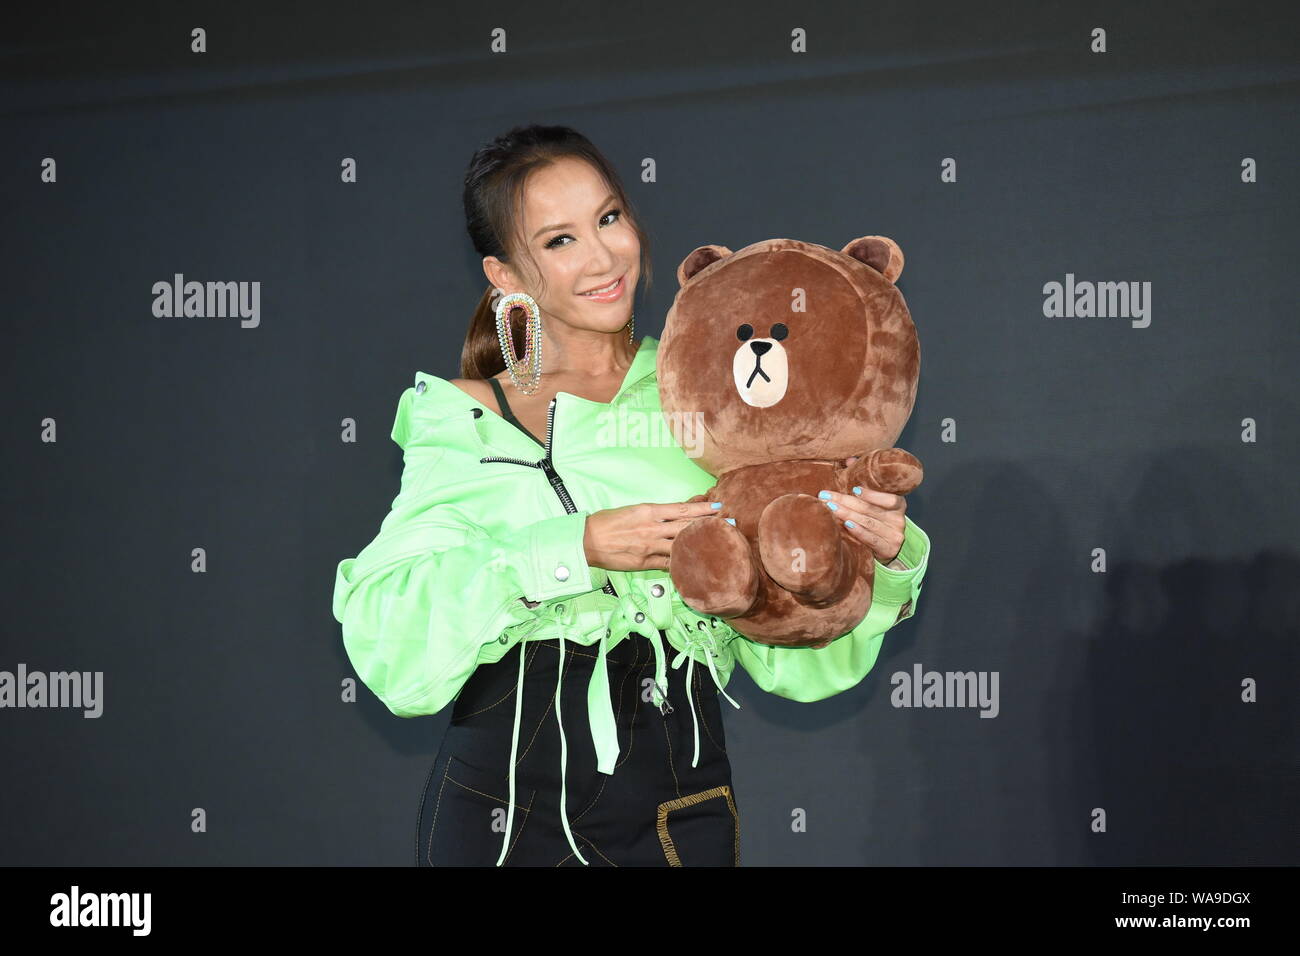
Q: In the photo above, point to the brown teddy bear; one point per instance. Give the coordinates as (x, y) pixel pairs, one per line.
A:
(791, 357)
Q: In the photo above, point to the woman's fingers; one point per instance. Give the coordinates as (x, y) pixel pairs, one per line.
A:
(665, 521)
(874, 517)
(678, 510)
(865, 501)
(674, 525)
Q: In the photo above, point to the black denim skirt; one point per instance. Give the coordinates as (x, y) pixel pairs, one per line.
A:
(654, 810)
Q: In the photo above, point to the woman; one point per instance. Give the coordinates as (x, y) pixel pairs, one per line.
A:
(522, 571)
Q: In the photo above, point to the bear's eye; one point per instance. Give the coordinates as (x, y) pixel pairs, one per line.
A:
(779, 331)
(745, 332)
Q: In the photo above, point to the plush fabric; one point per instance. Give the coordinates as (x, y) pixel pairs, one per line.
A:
(776, 364)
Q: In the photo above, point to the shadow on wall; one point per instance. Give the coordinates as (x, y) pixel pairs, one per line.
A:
(1120, 691)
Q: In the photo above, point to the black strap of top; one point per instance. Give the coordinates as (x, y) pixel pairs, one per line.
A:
(508, 415)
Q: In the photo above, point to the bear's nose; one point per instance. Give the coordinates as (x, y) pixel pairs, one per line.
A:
(760, 348)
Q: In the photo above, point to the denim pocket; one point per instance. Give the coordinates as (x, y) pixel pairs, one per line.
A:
(700, 829)
(469, 812)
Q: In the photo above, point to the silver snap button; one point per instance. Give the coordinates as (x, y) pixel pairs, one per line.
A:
(420, 387)
(639, 617)
(561, 573)
(559, 609)
(501, 639)
(657, 590)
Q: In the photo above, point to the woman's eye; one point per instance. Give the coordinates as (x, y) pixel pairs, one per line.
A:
(555, 243)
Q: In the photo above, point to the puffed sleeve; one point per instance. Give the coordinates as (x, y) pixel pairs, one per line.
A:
(431, 595)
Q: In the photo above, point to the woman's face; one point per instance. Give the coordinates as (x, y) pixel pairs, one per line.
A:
(581, 241)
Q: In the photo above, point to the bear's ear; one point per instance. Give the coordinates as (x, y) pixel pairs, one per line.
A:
(879, 252)
(698, 259)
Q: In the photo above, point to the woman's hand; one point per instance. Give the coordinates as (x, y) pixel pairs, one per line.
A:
(639, 537)
(874, 517)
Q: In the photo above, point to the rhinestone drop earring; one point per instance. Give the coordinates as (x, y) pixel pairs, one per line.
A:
(525, 372)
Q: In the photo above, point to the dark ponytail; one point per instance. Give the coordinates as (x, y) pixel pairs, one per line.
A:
(493, 198)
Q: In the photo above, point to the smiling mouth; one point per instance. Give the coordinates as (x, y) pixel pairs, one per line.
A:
(610, 289)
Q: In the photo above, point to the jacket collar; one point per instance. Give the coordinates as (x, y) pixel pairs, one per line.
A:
(642, 367)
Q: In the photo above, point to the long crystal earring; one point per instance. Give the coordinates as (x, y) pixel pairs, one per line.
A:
(631, 324)
(525, 372)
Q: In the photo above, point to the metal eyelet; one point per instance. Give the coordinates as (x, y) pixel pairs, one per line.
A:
(639, 617)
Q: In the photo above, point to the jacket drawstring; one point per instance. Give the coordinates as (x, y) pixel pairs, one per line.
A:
(628, 617)
(631, 615)
(710, 647)
(564, 752)
(514, 748)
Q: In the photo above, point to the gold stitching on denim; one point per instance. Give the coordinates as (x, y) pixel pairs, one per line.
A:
(579, 836)
(463, 786)
(568, 646)
(625, 754)
(540, 724)
(636, 688)
(446, 775)
(668, 806)
(419, 812)
(677, 784)
(520, 831)
(428, 852)
(699, 690)
(593, 801)
(527, 666)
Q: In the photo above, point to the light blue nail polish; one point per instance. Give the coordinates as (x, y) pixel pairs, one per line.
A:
(715, 505)
(823, 494)
(849, 524)
(833, 506)
(730, 520)
(857, 489)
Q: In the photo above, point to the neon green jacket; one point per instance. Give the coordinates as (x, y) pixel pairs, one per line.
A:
(483, 548)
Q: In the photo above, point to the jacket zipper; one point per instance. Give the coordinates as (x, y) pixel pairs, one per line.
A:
(547, 467)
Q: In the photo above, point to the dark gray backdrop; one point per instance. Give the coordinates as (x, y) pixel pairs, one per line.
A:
(1119, 691)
